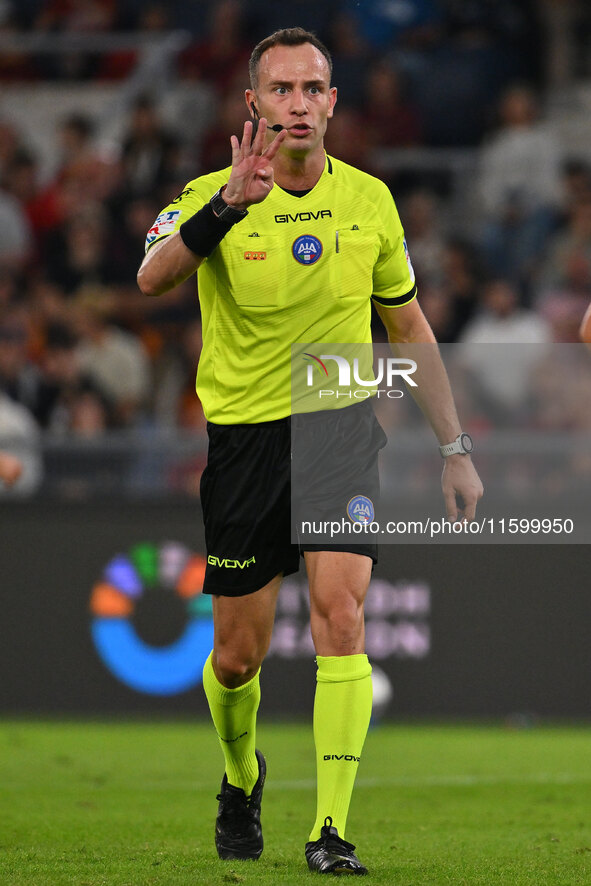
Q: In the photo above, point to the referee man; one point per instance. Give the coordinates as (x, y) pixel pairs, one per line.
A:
(290, 246)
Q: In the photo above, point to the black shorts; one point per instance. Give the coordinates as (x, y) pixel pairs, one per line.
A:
(246, 493)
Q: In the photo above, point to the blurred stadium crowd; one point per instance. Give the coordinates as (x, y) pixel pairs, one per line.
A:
(424, 85)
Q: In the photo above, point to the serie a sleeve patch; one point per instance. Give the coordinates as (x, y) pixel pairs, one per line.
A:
(166, 223)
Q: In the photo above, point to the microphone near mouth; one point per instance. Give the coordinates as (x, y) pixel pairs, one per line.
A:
(277, 128)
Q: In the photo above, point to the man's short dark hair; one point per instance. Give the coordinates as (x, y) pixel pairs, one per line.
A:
(285, 37)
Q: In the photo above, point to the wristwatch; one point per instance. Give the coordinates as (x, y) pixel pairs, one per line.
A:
(224, 211)
(462, 445)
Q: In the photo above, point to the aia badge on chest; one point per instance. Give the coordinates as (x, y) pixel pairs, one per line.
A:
(307, 249)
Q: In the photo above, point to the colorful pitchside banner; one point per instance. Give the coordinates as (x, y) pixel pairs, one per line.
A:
(103, 613)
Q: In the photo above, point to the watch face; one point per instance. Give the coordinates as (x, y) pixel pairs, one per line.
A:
(466, 442)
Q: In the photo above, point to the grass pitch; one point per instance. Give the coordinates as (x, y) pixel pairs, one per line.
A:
(133, 804)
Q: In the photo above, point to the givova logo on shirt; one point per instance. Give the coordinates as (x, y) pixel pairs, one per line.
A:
(306, 249)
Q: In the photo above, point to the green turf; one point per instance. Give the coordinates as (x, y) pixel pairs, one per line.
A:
(134, 803)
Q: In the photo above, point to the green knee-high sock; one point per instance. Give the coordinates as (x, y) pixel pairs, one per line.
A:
(342, 710)
(234, 713)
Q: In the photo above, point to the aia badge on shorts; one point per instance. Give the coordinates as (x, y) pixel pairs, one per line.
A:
(360, 509)
(307, 249)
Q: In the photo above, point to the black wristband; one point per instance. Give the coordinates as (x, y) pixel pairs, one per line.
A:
(203, 231)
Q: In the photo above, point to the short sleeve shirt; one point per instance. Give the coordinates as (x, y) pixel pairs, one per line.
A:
(295, 269)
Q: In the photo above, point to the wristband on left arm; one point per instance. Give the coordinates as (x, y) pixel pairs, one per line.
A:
(207, 228)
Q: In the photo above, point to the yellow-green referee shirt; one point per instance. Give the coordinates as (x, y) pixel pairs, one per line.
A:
(296, 269)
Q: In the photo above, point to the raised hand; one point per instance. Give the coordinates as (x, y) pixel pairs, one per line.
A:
(251, 178)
